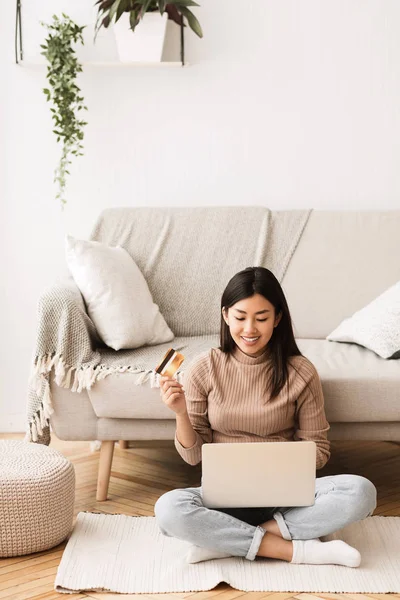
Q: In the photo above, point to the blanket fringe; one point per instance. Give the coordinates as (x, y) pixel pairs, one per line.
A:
(38, 425)
(47, 405)
(34, 431)
(82, 379)
(155, 378)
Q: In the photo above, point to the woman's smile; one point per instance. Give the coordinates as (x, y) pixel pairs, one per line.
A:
(250, 341)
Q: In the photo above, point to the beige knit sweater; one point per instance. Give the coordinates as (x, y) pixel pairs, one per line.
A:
(227, 402)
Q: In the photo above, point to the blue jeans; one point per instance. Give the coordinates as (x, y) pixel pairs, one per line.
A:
(339, 501)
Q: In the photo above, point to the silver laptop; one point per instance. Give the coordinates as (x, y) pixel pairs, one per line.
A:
(276, 474)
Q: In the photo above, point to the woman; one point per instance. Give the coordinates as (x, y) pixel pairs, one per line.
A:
(257, 386)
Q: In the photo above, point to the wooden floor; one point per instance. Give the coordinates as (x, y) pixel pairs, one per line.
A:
(142, 473)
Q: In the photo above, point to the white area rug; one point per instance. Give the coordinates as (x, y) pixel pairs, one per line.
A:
(125, 554)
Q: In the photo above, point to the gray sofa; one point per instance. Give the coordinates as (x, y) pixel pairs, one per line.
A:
(343, 260)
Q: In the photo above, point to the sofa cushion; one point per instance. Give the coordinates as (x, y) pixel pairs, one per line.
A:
(357, 384)
(117, 296)
(119, 396)
(343, 261)
(69, 423)
(376, 326)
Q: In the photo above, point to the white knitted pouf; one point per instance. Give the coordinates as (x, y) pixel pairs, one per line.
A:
(37, 494)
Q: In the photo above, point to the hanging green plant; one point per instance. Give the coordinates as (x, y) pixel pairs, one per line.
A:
(64, 93)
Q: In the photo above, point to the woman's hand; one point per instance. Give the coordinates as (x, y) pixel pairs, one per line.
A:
(173, 395)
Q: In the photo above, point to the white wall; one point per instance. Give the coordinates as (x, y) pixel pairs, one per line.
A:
(286, 104)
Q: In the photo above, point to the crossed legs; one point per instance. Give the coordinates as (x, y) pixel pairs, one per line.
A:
(292, 534)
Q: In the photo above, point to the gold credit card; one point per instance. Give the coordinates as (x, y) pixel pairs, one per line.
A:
(170, 363)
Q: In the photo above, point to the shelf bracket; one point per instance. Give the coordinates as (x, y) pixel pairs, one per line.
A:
(18, 33)
(182, 43)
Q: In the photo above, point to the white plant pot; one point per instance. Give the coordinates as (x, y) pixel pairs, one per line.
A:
(146, 43)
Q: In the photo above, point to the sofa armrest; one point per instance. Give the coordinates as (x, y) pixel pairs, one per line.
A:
(61, 308)
(66, 339)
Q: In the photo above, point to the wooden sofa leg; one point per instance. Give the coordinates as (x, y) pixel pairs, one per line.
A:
(123, 444)
(103, 479)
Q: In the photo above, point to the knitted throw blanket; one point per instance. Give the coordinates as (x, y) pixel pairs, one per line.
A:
(67, 343)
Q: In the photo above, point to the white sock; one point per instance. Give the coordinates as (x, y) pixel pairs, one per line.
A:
(197, 554)
(315, 552)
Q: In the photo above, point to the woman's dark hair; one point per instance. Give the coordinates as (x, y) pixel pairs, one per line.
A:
(258, 280)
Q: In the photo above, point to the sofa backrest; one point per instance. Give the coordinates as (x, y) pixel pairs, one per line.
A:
(343, 261)
(187, 255)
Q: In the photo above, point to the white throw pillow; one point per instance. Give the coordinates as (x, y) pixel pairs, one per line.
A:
(376, 326)
(117, 296)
